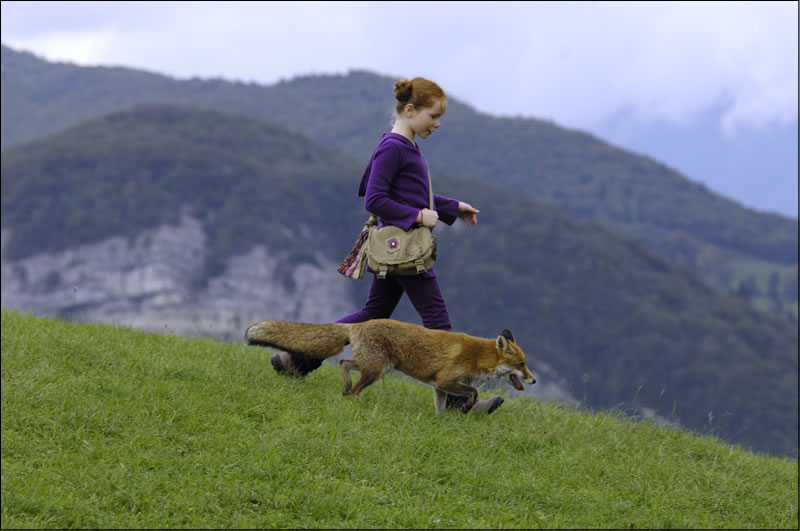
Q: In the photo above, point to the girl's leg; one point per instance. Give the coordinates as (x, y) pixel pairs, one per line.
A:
(384, 294)
(426, 296)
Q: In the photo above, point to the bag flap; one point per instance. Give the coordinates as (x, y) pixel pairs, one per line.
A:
(392, 245)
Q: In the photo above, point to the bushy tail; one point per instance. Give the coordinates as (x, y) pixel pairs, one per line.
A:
(315, 340)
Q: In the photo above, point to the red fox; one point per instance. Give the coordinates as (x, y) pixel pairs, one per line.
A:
(445, 360)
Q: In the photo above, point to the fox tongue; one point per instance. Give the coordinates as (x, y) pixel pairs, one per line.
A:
(516, 382)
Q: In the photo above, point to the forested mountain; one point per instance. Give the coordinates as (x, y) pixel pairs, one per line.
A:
(623, 324)
(734, 248)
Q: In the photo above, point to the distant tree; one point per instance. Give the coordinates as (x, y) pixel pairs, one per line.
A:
(789, 291)
(748, 288)
(773, 287)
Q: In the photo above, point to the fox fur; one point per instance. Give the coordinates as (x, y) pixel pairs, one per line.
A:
(448, 361)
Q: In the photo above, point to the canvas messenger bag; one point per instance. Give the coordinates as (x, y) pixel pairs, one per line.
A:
(394, 251)
(391, 250)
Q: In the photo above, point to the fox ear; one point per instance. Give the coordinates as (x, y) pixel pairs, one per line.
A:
(506, 333)
(502, 343)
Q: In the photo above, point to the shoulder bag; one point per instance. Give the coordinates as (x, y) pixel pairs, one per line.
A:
(391, 250)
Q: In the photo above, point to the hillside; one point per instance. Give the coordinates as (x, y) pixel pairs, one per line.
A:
(105, 427)
(131, 171)
(734, 248)
(622, 324)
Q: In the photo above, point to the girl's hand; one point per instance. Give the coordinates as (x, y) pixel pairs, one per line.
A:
(427, 217)
(468, 213)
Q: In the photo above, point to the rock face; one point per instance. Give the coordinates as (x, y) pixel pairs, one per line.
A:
(148, 283)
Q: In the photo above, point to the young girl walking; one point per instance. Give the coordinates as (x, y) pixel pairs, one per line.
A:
(395, 190)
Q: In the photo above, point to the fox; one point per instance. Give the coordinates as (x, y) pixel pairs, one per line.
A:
(448, 361)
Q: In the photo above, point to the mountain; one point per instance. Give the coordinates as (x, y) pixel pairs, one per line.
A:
(734, 248)
(728, 161)
(254, 210)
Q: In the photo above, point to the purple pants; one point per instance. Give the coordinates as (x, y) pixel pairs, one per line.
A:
(423, 291)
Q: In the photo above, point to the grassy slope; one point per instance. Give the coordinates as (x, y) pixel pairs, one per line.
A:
(110, 427)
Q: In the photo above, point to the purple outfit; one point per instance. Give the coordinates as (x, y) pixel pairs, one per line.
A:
(395, 184)
(395, 188)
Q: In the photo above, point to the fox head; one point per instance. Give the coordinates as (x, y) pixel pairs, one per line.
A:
(512, 363)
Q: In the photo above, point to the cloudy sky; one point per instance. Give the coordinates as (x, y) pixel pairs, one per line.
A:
(582, 65)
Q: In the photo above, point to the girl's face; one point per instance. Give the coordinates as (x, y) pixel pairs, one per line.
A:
(425, 120)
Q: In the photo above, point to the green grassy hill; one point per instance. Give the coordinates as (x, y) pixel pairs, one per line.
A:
(623, 324)
(734, 248)
(106, 427)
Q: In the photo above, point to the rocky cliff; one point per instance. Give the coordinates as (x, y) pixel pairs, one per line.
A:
(151, 282)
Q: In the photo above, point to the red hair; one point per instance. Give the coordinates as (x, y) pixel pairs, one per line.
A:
(419, 92)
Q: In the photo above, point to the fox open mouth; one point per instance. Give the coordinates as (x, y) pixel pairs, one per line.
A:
(516, 382)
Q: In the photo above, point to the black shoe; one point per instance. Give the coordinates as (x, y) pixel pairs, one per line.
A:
(454, 401)
(282, 363)
(488, 405)
(495, 403)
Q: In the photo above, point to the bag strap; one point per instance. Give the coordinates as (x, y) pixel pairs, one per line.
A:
(430, 187)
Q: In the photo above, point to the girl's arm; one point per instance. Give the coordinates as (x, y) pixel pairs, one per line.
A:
(446, 207)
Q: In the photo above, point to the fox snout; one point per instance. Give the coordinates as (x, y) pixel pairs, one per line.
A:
(530, 379)
(516, 377)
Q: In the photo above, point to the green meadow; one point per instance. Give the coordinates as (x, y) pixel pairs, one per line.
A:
(108, 427)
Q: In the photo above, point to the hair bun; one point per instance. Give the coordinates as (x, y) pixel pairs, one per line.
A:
(402, 90)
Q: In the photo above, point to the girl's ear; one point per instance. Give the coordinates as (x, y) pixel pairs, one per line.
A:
(409, 108)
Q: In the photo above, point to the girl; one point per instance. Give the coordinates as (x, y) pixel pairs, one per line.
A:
(395, 190)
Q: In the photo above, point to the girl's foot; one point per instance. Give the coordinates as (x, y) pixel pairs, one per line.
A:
(481, 405)
(488, 405)
(282, 363)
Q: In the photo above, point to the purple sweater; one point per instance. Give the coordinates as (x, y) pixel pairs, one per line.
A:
(395, 184)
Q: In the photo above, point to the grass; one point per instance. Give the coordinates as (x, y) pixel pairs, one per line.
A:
(107, 427)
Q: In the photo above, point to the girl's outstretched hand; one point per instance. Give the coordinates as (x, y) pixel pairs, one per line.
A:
(468, 213)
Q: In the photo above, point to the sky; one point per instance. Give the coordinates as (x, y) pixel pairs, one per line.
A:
(611, 68)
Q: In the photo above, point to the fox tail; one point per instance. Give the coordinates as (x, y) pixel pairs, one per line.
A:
(315, 340)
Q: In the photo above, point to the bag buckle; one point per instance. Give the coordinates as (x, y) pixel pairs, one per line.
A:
(382, 272)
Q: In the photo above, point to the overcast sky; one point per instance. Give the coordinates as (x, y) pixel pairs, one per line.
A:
(575, 63)
(595, 66)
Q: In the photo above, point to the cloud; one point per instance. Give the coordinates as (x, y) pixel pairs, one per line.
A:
(581, 64)
(585, 64)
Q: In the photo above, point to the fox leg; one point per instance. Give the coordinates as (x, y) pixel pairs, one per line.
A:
(346, 366)
(460, 389)
(372, 363)
(368, 377)
(439, 400)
